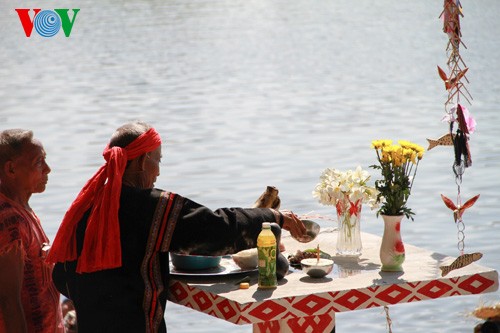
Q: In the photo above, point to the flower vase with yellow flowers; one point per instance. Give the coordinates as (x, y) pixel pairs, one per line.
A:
(398, 165)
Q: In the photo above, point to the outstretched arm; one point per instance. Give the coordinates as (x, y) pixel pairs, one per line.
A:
(200, 230)
(11, 280)
(293, 224)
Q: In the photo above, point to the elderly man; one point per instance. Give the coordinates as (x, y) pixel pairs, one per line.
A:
(112, 246)
(29, 302)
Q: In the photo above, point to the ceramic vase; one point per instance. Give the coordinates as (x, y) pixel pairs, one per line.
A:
(392, 250)
(349, 232)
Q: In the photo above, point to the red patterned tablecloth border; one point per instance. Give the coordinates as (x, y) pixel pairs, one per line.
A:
(335, 301)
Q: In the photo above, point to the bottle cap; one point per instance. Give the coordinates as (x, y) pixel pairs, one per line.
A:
(266, 225)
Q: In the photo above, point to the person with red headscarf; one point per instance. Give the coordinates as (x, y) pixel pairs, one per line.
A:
(112, 248)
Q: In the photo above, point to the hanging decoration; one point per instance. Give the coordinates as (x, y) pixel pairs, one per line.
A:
(460, 123)
(458, 211)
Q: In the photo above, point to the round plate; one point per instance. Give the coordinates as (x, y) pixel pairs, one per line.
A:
(226, 267)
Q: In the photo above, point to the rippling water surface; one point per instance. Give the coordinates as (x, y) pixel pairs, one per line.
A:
(254, 93)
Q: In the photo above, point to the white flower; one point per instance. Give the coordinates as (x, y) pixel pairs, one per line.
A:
(335, 185)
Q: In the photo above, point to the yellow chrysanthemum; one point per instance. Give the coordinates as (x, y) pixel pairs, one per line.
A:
(395, 165)
(409, 155)
(405, 144)
(399, 158)
(413, 157)
(380, 144)
(398, 150)
(419, 149)
(376, 144)
(386, 157)
(386, 143)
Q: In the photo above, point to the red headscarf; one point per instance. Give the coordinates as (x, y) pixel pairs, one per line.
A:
(102, 247)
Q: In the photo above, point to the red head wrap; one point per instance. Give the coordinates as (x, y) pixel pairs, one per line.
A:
(102, 247)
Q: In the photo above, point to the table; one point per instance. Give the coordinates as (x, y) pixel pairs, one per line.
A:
(303, 304)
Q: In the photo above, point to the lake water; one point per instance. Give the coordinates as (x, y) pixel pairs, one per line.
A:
(259, 92)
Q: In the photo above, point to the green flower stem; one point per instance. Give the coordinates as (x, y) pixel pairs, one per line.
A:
(346, 221)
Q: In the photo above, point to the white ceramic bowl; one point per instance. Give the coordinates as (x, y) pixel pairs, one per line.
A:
(316, 268)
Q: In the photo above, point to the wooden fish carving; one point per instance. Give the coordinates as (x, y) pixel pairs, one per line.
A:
(459, 210)
(461, 261)
(445, 140)
(451, 82)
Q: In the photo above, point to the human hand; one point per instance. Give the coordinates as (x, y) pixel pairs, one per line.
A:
(293, 224)
(70, 322)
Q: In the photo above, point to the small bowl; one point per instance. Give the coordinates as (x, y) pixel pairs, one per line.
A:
(193, 262)
(312, 230)
(247, 259)
(316, 268)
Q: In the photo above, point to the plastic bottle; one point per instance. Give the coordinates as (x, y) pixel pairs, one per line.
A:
(266, 248)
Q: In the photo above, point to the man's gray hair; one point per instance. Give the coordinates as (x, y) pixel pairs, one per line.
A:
(127, 133)
(12, 142)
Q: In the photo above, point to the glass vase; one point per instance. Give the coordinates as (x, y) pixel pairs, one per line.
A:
(392, 250)
(349, 232)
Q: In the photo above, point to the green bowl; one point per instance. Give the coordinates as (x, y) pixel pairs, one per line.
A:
(193, 262)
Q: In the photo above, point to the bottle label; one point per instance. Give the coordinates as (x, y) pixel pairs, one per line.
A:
(267, 267)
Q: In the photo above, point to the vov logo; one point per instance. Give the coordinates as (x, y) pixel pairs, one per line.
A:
(47, 22)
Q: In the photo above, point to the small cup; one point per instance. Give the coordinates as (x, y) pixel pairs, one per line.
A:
(312, 230)
(316, 268)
